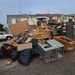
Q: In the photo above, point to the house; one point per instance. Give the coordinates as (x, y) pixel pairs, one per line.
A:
(36, 19)
(32, 19)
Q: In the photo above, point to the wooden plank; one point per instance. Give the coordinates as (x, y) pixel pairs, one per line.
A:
(18, 28)
(29, 39)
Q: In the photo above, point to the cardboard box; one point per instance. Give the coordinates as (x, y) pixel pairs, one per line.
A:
(21, 47)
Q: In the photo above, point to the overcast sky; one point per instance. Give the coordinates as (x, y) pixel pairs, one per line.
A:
(8, 7)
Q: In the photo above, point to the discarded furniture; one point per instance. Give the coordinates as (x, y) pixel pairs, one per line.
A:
(20, 46)
(7, 49)
(43, 25)
(50, 50)
(49, 28)
(22, 42)
(67, 42)
(39, 33)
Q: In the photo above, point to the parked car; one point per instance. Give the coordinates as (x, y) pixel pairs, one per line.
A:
(5, 36)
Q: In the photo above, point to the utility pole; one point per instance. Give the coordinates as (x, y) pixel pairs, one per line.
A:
(20, 12)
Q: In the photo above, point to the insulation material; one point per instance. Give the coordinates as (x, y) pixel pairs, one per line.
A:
(21, 47)
(18, 28)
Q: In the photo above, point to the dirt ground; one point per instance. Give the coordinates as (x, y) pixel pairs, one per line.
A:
(62, 66)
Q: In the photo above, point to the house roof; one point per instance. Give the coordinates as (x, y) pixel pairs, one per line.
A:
(21, 15)
(49, 15)
(37, 15)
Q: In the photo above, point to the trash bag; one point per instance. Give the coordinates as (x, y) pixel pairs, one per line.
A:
(25, 57)
(7, 49)
(0, 52)
(34, 53)
(1, 55)
(34, 43)
(14, 55)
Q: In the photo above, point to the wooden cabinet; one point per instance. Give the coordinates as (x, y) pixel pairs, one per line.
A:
(67, 42)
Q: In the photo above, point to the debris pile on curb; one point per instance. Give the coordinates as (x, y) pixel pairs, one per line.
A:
(28, 44)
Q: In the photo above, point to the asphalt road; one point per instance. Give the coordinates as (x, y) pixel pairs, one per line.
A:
(62, 66)
(1, 42)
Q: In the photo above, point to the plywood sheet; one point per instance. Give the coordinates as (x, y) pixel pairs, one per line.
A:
(18, 28)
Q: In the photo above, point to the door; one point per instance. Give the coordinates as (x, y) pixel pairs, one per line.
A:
(2, 36)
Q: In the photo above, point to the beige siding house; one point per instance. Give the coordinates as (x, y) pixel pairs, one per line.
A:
(32, 19)
(12, 19)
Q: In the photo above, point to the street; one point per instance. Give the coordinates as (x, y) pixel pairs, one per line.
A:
(62, 66)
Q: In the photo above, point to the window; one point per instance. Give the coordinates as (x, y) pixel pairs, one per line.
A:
(65, 18)
(18, 20)
(1, 33)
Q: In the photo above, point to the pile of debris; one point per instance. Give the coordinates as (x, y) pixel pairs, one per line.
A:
(30, 43)
(23, 47)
